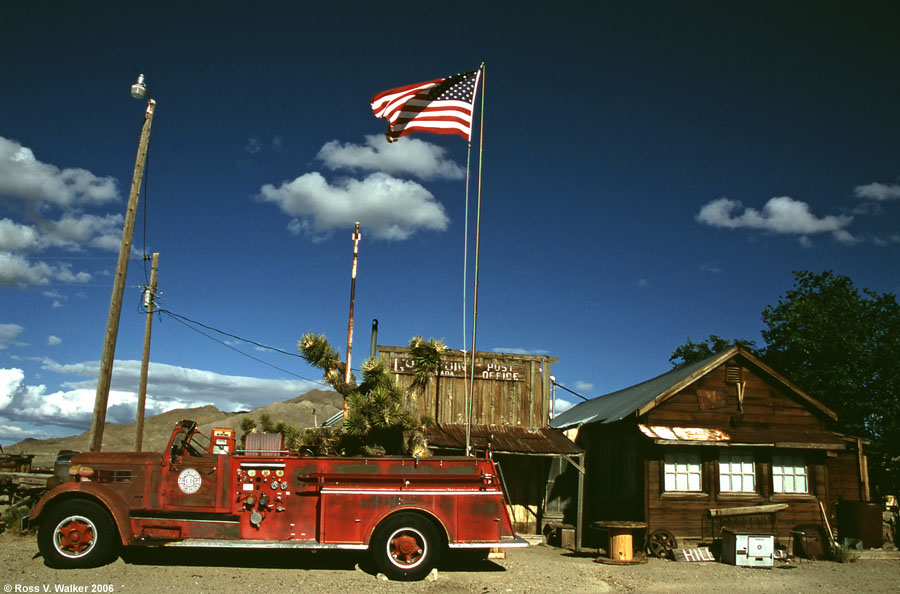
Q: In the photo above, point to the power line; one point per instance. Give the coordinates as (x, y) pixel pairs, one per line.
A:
(570, 391)
(222, 332)
(187, 322)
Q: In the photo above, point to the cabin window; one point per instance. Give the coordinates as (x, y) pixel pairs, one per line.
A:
(737, 473)
(790, 474)
(682, 472)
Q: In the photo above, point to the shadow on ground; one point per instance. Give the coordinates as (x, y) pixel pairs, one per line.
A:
(287, 559)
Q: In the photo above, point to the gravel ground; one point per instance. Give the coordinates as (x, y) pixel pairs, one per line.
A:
(536, 569)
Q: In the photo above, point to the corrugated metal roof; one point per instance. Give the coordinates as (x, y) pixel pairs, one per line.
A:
(515, 440)
(617, 405)
(644, 396)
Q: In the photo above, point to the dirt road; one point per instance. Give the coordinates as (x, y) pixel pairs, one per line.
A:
(539, 569)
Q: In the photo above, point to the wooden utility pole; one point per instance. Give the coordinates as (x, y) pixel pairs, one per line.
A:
(150, 304)
(356, 238)
(115, 304)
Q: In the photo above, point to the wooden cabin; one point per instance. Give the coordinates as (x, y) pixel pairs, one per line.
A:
(510, 415)
(724, 442)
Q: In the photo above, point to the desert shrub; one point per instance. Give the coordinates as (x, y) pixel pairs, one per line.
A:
(841, 554)
(12, 517)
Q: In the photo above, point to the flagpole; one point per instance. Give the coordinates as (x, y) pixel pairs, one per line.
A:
(477, 254)
(465, 282)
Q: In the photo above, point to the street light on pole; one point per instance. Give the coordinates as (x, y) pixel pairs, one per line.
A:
(138, 91)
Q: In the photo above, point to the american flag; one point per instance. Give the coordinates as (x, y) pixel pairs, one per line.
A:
(442, 106)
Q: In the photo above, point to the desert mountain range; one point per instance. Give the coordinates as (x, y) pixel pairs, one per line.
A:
(306, 410)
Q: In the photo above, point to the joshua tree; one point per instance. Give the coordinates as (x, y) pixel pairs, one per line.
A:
(376, 420)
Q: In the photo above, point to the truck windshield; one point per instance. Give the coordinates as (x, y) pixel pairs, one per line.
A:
(189, 442)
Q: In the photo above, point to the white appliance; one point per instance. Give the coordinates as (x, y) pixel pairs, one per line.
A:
(748, 549)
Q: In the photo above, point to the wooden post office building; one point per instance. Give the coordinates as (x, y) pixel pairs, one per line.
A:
(706, 446)
(511, 415)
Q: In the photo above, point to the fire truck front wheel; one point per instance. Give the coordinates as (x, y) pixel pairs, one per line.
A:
(406, 547)
(77, 534)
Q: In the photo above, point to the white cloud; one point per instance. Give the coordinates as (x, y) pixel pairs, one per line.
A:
(253, 146)
(168, 388)
(16, 270)
(385, 206)
(711, 267)
(52, 202)
(886, 241)
(561, 405)
(12, 433)
(878, 191)
(10, 379)
(15, 237)
(53, 340)
(782, 215)
(520, 351)
(75, 230)
(25, 178)
(9, 334)
(187, 387)
(67, 408)
(583, 386)
(845, 237)
(407, 156)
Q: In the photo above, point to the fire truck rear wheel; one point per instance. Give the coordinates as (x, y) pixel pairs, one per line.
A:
(406, 547)
(77, 534)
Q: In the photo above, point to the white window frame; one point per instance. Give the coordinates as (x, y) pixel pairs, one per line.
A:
(683, 472)
(790, 475)
(737, 472)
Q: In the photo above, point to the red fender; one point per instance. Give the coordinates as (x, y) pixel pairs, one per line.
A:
(90, 491)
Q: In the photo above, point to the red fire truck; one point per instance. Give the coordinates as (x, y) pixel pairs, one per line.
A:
(201, 493)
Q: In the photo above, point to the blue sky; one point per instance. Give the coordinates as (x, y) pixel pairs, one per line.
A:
(653, 171)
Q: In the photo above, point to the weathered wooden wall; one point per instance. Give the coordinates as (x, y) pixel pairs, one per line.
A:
(509, 389)
(843, 474)
(682, 514)
(764, 406)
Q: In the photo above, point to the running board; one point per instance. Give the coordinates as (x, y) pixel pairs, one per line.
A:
(213, 543)
(506, 543)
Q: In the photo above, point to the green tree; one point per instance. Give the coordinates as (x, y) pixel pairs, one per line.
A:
(248, 425)
(691, 352)
(292, 434)
(267, 424)
(842, 346)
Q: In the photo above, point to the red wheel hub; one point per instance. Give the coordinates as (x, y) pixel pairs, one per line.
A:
(75, 536)
(405, 548)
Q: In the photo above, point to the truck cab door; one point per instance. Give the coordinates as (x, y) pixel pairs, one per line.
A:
(191, 477)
